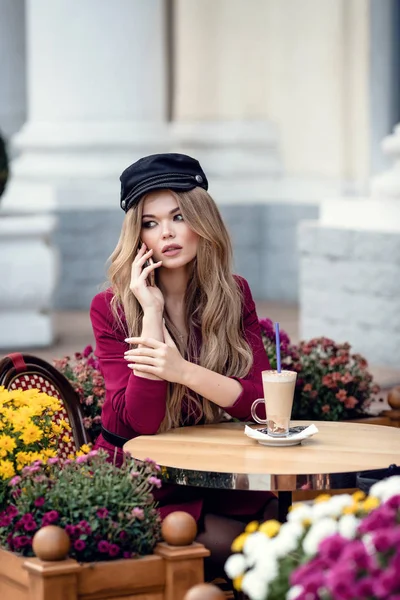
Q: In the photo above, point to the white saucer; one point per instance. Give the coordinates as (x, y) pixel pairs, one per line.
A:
(280, 442)
(296, 435)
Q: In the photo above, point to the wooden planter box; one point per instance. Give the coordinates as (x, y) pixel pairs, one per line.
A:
(165, 575)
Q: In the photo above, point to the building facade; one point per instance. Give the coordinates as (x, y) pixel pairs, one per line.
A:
(283, 102)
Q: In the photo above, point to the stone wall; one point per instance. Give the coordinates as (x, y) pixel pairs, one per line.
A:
(350, 288)
(265, 246)
(85, 240)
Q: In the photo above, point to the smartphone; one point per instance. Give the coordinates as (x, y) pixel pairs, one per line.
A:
(151, 278)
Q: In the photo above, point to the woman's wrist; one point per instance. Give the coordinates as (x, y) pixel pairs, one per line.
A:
(187, 374)
(153, 311)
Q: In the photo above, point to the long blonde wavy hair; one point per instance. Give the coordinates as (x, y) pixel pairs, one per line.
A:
(213, 302)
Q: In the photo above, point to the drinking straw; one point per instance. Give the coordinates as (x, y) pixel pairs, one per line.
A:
(278, 348)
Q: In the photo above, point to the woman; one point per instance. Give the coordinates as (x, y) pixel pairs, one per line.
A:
(177, 335)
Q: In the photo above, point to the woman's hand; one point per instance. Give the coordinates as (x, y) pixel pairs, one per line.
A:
(157, 358)
(149, 296)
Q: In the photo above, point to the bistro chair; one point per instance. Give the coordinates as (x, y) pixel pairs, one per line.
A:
(24, 372)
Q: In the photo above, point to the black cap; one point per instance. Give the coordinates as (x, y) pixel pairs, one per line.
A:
(177, 172)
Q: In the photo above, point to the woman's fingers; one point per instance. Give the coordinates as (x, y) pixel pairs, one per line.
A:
(143, 351)
(142, 360)
(149, 342)
(141, 257)
(151, 267)
(144, 368)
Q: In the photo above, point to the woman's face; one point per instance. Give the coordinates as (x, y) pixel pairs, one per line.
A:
(165, 231)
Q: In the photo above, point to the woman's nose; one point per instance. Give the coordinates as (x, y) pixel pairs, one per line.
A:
(167, 231)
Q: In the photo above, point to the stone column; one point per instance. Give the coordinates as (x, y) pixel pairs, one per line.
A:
(350, 268)
(12, 53)
(28, 267)
(271, 96)
(96, 102)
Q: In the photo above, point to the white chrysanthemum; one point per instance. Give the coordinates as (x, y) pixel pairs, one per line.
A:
(347, 526)
(318, 532)
(255, 587)
(332, 508)
(256, 545)
(235, 566)
(294, 592)
(267, 568)
(386, 489)
(367, 540)
(287, 539)
(294, 529)
(300, 513)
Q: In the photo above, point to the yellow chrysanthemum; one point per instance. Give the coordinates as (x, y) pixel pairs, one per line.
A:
(251, 527)
(352, 509)
(237, 583)
(66, 439)
(7, 445)
(32, 433)
(36, 456)
(238, 543)
(85, 449)
(370, 503)
(358, 496)
(322, 498)
(6, 469)
(270, 528)
(295, 506)
(26, 426)
(20, 420)
(49, 453)
(65, 425)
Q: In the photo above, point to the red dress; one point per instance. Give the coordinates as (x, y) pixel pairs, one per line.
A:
(136, 406)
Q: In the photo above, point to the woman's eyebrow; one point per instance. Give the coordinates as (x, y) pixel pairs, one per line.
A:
(171, 212)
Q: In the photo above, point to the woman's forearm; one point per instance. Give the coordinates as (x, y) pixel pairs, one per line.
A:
(151, 327)
(217, 388)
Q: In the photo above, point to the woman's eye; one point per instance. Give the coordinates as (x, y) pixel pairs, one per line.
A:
(178, 217)
(149, 224)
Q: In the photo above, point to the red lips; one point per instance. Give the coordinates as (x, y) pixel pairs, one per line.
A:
(171, 247)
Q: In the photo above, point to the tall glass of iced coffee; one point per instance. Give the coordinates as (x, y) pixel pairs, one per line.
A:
(278, 398)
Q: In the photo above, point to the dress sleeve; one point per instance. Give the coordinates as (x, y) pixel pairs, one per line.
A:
(139, 403)
(252, 383)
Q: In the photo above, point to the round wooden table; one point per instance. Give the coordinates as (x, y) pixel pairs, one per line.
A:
(221, 456)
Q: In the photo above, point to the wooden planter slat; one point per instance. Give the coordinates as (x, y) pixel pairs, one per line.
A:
(120, 576)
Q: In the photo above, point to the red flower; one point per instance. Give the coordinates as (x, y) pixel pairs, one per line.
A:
(347, 378)
(87, 351)
(328, 382)
(326, 408)
(113, 550)
(79, 545)
(351, 402)
(341, 395)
